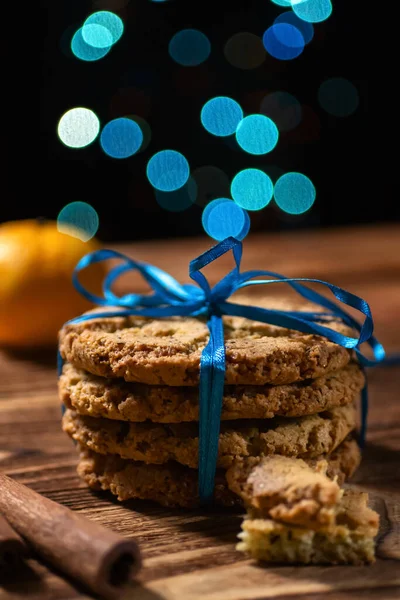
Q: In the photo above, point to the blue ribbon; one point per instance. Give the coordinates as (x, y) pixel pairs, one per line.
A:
(170, 298)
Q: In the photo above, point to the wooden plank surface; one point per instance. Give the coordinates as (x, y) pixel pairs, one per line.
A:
(190, 555)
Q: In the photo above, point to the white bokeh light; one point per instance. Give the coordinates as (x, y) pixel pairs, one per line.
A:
(78, 127)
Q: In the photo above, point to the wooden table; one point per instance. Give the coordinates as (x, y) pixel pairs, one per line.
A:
(191, 555)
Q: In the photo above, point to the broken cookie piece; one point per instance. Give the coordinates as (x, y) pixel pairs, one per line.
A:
(350, 540)
(286, 489)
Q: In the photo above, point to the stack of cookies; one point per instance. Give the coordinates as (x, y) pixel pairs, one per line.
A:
(130, 387)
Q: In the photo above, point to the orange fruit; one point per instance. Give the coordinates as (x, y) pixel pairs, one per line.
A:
(36, 291)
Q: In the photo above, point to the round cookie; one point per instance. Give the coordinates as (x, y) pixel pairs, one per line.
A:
(118, 400)
(308, 436)
(167, 351)
(175, 485)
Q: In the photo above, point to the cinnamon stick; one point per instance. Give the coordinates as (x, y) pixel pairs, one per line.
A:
(97, 557)
(12, 546)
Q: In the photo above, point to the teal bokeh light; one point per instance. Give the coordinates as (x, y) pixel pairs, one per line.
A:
(338, 96)
(121, 138)
(294, 193)
(168, 170)
(78, 219)
(312, 11)
(252, 189)
(223, 218)
(221, 116)
(97, 36)
(106, 19)
(257, 134)
(189, 47)
(85, 51)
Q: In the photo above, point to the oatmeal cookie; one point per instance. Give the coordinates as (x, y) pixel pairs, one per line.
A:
(167, 351)
(116, 399)
(153, 443)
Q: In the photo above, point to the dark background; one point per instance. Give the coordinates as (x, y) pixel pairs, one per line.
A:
(138, 76)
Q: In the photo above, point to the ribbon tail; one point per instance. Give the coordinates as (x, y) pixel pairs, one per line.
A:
(211, 389)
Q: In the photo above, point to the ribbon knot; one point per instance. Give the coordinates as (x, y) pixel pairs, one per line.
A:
(212, 308)
(169, 298)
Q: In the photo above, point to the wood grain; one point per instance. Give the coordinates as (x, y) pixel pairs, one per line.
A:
(190, 555)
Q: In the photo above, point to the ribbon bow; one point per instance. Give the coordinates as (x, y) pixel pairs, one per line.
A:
(170, 298)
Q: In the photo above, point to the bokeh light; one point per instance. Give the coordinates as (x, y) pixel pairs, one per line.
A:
(97, 36)
(282, 2)
(85, 51)
(294, 193)
(211, 182)
(78, 127)
(245, 50)
(252, 189)
(338, 96)
(145, 128)
(121, 138)
(168, 170)
(283, 109)
(283, 41)
(105, 20)
(313, 11)
(223, 218)
(79, 220)
(178, 200)
(221, 116)
(189, 47)
(306, 29)
(257, 134)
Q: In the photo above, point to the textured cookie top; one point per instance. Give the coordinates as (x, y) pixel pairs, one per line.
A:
(308, 436)
(286, 489)
(352, 514)
(116, 399)
(167, 351)
(172, 484)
